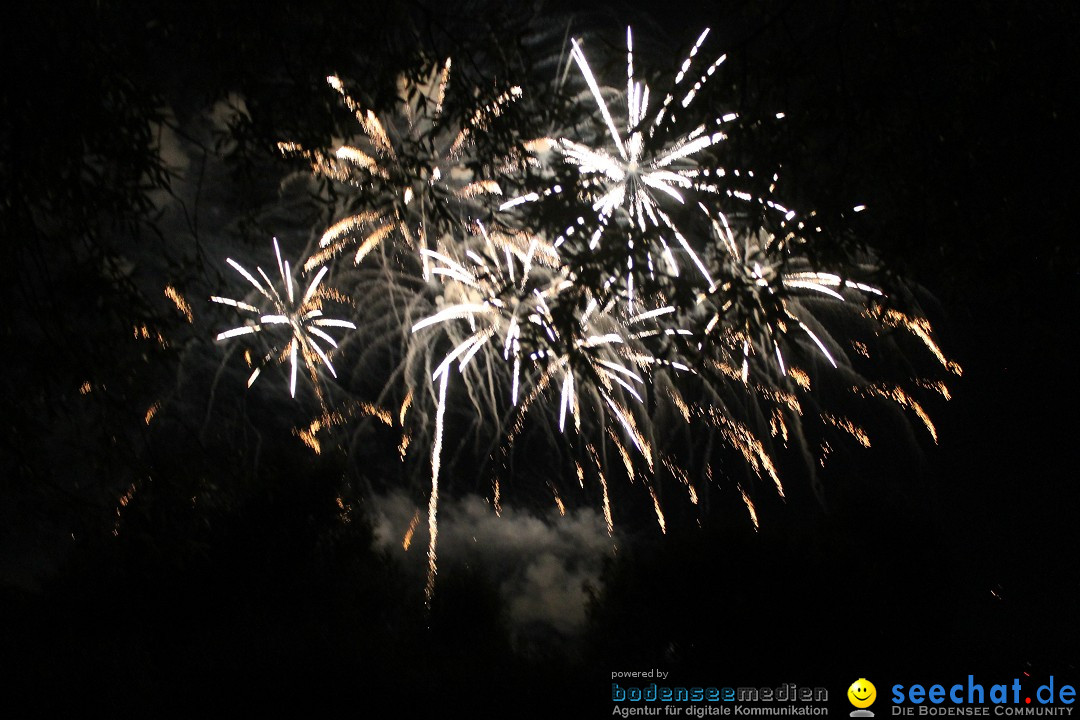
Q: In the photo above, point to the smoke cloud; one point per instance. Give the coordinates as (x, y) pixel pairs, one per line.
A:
(541, 563)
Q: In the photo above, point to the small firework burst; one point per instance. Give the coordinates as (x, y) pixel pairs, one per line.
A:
(300, 316)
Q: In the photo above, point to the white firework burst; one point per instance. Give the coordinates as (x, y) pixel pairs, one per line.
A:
(505, 294)
(644, 168)
(300, 315)
(512, 300)
(766, 282)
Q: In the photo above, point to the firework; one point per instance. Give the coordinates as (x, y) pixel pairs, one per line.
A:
(762, 305)
(416, 177)
(500, 300)
(679, 313)
(508, 291)
(643, 169)
(299, 315)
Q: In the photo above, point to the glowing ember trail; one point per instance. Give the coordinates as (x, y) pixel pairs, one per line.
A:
(433, 501)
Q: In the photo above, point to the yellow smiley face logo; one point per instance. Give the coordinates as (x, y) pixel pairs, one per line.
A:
(862, 693)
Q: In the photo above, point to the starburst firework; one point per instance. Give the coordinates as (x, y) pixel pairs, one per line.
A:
(645, 169)
(301, 315)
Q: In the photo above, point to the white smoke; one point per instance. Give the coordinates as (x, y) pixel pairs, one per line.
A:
(541, 563)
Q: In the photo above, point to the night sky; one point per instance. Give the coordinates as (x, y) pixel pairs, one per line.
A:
(168, 543)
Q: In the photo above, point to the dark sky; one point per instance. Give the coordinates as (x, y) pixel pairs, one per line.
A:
(952, 122)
